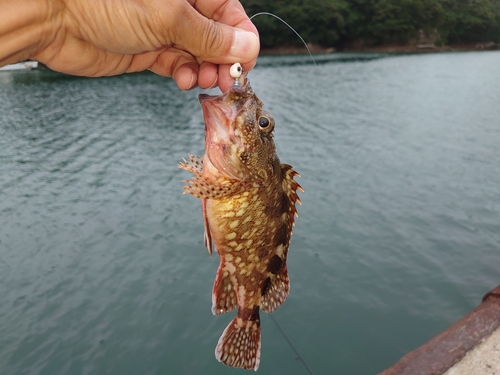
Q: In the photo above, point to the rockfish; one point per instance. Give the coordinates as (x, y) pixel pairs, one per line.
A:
(248, 202)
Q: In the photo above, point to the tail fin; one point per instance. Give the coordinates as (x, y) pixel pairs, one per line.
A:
(239, 345)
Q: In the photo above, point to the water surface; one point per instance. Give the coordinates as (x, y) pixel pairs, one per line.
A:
(102, 263)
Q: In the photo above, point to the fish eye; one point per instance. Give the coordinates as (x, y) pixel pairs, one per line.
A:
(264, 122)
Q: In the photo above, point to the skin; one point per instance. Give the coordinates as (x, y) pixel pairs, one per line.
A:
(193, 41)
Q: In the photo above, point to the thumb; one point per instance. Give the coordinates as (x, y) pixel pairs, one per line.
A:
(216, 42)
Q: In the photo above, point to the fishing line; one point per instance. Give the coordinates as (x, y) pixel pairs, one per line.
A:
(296, 33)
(297, 354)
(291, 28)
(287, 339)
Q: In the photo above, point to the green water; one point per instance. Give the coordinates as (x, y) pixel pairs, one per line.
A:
(102, 263)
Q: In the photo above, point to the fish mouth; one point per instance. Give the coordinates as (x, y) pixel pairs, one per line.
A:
(222, 145)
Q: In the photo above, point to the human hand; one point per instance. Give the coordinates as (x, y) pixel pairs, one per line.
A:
(195, 42)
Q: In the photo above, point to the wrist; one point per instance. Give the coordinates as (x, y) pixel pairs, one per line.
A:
(27, 27)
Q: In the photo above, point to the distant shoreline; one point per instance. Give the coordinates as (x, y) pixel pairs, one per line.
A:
(410, 48)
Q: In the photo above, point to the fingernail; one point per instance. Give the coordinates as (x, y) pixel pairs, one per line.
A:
(245, 45)
(193, 82)
(213, 85)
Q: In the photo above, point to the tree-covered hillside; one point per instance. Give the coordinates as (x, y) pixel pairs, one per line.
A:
(335, 23)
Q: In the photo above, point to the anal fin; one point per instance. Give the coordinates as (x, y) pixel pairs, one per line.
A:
(276, 291)
(224, 297)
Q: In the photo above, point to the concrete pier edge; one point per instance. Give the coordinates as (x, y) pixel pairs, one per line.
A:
(451, 346)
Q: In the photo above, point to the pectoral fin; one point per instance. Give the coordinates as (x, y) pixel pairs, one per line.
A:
(203, 188)
(193, 165)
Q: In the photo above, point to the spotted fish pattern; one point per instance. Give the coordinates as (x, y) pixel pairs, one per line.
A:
(248, 203)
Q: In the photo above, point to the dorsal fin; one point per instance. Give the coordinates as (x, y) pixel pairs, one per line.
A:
(275, 290)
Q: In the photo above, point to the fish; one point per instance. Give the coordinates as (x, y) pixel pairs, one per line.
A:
(248, 201)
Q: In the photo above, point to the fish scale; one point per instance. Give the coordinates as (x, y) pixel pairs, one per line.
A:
(248, 203)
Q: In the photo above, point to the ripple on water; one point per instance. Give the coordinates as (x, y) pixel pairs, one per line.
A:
(102, 263)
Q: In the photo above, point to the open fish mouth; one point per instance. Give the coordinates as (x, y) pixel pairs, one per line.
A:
(222, 145)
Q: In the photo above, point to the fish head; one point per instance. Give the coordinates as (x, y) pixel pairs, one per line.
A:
(239, 141)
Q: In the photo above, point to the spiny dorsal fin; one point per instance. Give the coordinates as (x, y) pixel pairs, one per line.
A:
(290, 186)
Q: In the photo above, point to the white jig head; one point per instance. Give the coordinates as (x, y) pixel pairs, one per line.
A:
(236, 71)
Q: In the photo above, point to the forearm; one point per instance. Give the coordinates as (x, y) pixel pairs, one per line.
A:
(26, 27)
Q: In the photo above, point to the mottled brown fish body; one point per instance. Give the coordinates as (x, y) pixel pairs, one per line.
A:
(248, 203)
